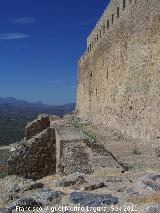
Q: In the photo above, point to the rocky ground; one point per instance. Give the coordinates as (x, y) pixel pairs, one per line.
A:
(125, 177)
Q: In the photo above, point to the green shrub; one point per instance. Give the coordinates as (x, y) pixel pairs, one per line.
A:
(136, 151)
(128, 167)
(3, 171)
(4, 155)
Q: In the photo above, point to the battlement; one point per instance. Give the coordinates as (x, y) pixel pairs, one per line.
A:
(110, 18)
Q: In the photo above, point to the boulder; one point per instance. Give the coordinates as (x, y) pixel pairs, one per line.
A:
(92, 200)
(38, 199)
(151, 182)
(45, 196)
(154, 208)
(25, 203)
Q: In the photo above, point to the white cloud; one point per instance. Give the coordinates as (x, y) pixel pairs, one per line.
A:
(10, 36)
(23, 20)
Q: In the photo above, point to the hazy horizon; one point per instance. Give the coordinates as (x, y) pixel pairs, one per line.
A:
(36, 102)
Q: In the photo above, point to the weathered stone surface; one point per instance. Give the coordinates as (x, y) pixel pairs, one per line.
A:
(34, 186)
(14, 183)
(153, 177)
(89, 199)
(14, 188)
(151, 182)
(57, 123)
(71, 180)
(45, 196)
(25, 203)
(37, 126)
(94, 186)
(72, 153)
(5, 210)
(131, 191)
(37, 199)
(118, 75)
(154, 208)
(34, 158)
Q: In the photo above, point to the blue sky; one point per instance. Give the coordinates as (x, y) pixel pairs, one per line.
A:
(40, 44)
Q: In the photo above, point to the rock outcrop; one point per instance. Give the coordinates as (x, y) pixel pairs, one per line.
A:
(94, 200)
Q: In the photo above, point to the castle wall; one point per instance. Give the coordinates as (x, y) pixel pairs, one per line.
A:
(119, 73)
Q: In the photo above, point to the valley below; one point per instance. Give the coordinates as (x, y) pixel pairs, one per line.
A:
(15, 114)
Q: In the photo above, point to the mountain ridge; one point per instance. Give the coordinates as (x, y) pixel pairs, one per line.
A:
(12, 104)
(15, 114)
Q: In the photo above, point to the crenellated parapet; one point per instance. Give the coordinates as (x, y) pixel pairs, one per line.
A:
(108, 21)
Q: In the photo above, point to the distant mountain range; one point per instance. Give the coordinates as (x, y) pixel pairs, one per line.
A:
(14, 115)
(13, 106)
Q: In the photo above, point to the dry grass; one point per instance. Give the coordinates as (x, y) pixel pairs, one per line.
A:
(108, 173)
(145, 199)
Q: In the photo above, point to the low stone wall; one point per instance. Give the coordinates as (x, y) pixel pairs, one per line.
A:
(34, 158)
(37, 126)
(57, 149)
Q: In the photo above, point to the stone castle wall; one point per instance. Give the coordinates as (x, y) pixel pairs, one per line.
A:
(119, 73)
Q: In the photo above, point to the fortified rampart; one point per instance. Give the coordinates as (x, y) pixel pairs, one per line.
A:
(50, 147)
(119, 73)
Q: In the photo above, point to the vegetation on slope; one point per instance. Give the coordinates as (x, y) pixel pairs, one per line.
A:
(12, 128)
